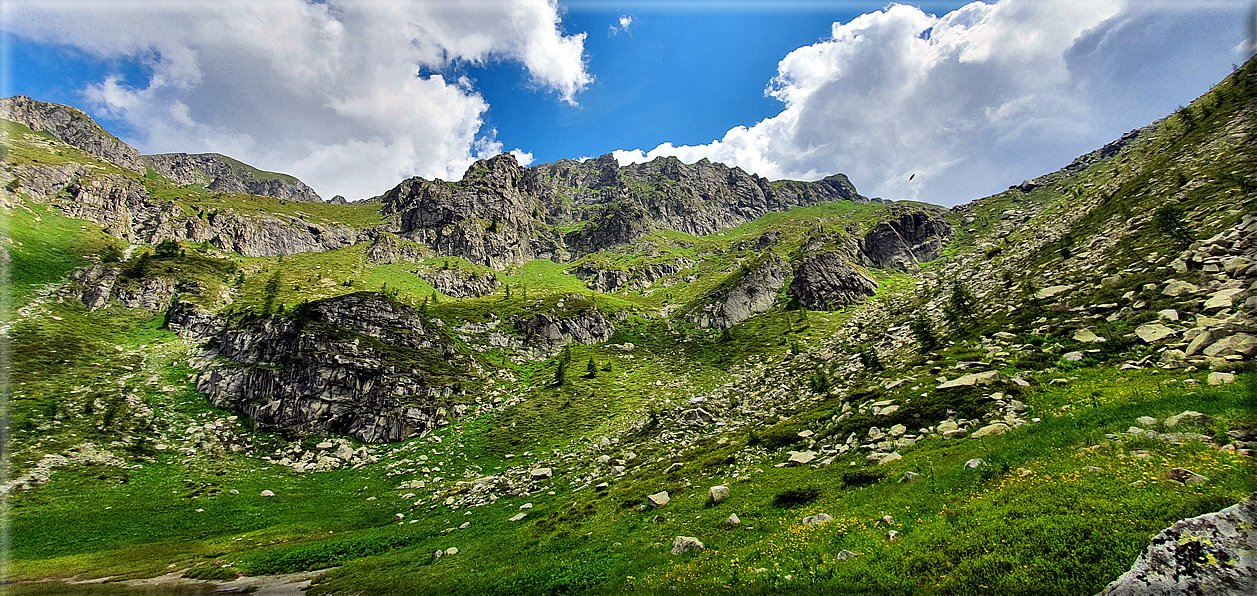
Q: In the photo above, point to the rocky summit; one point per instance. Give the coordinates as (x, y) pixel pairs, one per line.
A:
(585, 377)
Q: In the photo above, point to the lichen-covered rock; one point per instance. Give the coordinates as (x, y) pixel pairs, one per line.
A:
(1213, 554)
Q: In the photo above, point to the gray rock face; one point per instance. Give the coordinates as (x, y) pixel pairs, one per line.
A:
(829, 281)
(220, 173)
(1215, 553)
(747, 294)
(387, 249)
(903, 243)
(634, 278)
(356, 364)
(547, 334)
(460, 283)
(489, 218)
(95, 285)
(72, 127)
(500, 214)
(123, 208)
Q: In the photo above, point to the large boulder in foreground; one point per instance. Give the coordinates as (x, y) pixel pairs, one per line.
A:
(1215, 553)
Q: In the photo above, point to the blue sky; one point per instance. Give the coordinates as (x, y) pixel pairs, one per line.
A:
(935, 101)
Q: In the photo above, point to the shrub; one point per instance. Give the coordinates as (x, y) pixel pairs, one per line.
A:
(923, 330)
(111, 253)
(870, 360)
(167, 249)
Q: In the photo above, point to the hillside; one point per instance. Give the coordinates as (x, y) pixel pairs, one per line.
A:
(585, 378)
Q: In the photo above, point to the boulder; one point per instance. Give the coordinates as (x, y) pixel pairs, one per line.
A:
(1087, 336)
(1220, 378)
(1185, 476)
(267, 493)
(818, 519)
(1241, 344)
(1213, 554)
(1175, 287)
(801, 458)
(989, 377)
(909, 476)
(882, 458)
(683, 544)
(1189, 417)
(541, 473)
(517, 517)
(990, 430)
(1222, 298)
(718, 494)
(974, 463)
(1153, 332)
(658, 499)
(1051, 291)
(1072, 357)
(732, 521)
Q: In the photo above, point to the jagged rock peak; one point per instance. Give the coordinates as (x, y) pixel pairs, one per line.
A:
(71, 126)
(220, 173)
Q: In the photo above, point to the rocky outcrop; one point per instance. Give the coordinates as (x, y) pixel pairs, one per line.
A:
(546, 334)
(153, 293)
(906, 241)
(220, 173)
(620, 204)
(72, 127)
(500, 214)
(94, 286)
(357, 364)
(489, 218)
(387, 249)
(605, 280)
(123, 208)
(262, 235)
(116, 203)
(460, 283)
(746, 293)
(828, 281)
(1215, 553)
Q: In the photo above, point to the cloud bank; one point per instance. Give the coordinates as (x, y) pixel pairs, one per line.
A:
(341, 94)
(977, 99)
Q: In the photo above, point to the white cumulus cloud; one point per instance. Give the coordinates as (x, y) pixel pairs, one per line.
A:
(976, 99)
(344, 94)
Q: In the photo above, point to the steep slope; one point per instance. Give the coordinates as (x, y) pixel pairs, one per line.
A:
(72, 127)
(220, 173)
